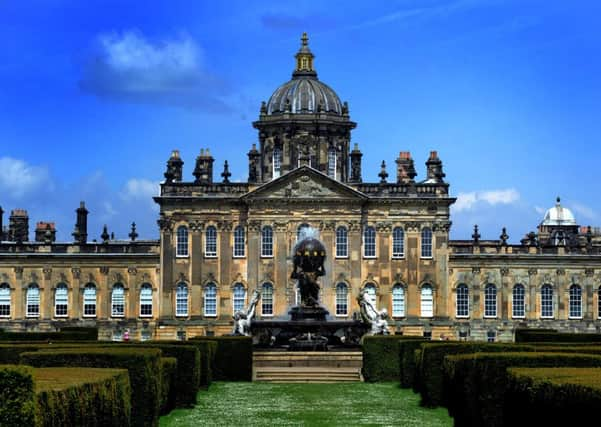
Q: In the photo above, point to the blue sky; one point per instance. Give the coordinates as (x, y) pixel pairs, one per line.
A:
(94, 95)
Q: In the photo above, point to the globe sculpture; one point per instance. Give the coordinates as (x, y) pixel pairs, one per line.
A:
(309, 257)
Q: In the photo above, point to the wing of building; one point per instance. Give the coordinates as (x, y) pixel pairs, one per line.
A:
(220, 240)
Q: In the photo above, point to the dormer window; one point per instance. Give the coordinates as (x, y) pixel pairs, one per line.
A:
(277, 162)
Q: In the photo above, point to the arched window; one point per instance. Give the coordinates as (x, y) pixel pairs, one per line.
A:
(302, 231)
(463, 301)
(546, 301)
(61, 300)
(267, 241)
(398, 243)
(575, 302)
(181, 300)
(267, 299)
(341, 299)
(341, 242)
(4, 300)
(426, 243)
(277, 162)
(490, 300)
(118, 300)
(398, 301)
(370, 292)
(182, 241)
(146, 300)
(33, 301)
(518, 302)
(239, 244)
(210, 300)
(332, 162)
(239, 297)
(211, 242)
(427, 301)
(369, 242)
(89, 300)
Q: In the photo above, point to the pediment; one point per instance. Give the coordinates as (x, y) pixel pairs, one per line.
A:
(304, 183)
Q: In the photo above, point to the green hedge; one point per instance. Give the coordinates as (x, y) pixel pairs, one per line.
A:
(406, 355)
(417, 360)
(17, 396)
(549, 335)
(431, 382)
(233, 357)
(208, 350)
(142, 365)
(479, 381)
(168, 383)
(381, 357)
(45, 336)
(73, 397)
(91, 332)
(552, 396)
(10, 354)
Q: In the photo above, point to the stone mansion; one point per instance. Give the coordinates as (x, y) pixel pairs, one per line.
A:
(220, 240)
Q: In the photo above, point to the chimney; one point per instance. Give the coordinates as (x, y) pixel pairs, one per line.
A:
(45, 232)
(356, 165)
(174, 168)
(204, 168)
(405, 169)
(81, 226)
(434, 167)
(254, 166)
(18, 228)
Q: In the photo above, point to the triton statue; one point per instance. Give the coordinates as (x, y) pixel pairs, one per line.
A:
(375, 318)
(242, 318)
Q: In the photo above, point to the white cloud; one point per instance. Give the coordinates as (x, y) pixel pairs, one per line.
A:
(583, 211)
(469, 200)
(19, 179)
(540, 210)
(139, 189)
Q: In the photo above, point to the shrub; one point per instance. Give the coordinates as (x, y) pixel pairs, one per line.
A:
(168, 383)
(552, 396)
(406, 354)
(91, 332)
(381, 360)
(233, 357)
(417, 361)
(71, 397)
(17, 396)
(479, 381)
(10, 353)
(142, 365)
(208, 350)
(45, 336)
(547, 335)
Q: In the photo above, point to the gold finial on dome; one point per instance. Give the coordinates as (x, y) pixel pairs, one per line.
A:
(304, 56)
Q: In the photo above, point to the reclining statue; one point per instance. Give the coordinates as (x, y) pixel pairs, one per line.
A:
(375, 318)
(242, 318)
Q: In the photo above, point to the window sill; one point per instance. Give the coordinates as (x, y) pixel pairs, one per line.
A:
(238, 256)
(490, 317)
(89, 316)
(118, 316)
(398, 257)
(341, 257)
(427, 257)
(182, 315)
(61, 316)
(32, 316)
(5, 316)
(369, 257)
(462, 317)
(575, 317)
(182, 256)
(210, 315)
(146, 316)
(267, 315)
(342, 315)
(518, 317)
(547, 317)
(211, 256)
(266, 256)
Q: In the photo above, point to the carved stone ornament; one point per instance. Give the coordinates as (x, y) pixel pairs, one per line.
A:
(104, 270)
(182, 277)
(47, 273)
(412, 226)
(532, 272)
(254, 225)
(281, 226)
(589, 271)
(354, 226)
(165, 224)
(384, 227)
(132, 270)
(76, 273)
(225, 225)
(560, 272)
(475, 270)
(504, 271)
(19, 272)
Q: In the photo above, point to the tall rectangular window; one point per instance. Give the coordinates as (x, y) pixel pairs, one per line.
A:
(239, 244)
(277, 162)
(546, 301)
(239, 297)
(332, 163)
(369, 242)
(426, 243)
(181, 300)
(118, 301)
(398, 243)
(211, 242)
(267, 241)
(4, 300)
(463, 304)
(181, 241)
(427, 301)
(518, 301)
(341, 299)
(267, 300)
(341, 242)
(575, 302)
(146, 300)
(89, 300)
(61, 295)
(33, 301)
(490, 301)
(210, 300)
(398, 301)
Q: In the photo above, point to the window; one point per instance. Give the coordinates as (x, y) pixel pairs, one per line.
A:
(61, 298)
(302, 231)
(181, 335)
(182, 241)
(427, 335)
(546, 301)
(4, 300)
(89, 300)
(118, 301)
(341, 299)
(211, 242)
(575, 302)
(426, 243)
(463, 301)
(398, 243)
(181, 300)
(267, 241)
(332, 163)
(146, 300)
(239, 244)
(267, 299)
(490, 300)
(33, 301)
(427, 301)
(369, 242)
(491, 336)
(145, 335)
(239, 297)
(117, 335)
(370, 292)
(398, 301)
(277, 162)
(518, 302)
(341, 242)
(211, 300)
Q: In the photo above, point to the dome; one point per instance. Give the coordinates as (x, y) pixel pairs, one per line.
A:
(304, 94)
(558, 215)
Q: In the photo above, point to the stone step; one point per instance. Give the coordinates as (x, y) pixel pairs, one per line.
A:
(308, 359)
(306, 374)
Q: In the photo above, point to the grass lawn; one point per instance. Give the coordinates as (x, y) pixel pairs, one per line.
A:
(265, 404)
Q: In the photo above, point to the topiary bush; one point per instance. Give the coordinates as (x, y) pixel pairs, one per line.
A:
(208, 350)
(73, 397)
(407, 366)
(90, 332)
(142, 365)
(233, 357)
(168, 383)
(381, 360)
(550, 335)
(17, 396)
(45, 336)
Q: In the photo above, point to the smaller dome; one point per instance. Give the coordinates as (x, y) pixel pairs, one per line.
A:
(558, 215)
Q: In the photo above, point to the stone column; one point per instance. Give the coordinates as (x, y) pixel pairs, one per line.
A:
(412, 254)
(47, 295)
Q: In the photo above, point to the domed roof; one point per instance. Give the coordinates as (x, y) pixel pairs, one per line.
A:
(558, 215)
(304, 94)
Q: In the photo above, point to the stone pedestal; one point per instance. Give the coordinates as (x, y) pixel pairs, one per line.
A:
(308, 313)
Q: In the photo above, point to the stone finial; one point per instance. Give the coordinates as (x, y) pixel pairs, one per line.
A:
(263, 110)
(133, 235)
(476, 235)
(226, 173)
(504, 237)
(105, 234)
(383, 174)
(356, 164)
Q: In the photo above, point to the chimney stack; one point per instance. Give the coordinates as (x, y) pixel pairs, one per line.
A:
(18, 227)
(204, 168)
(45, 232)
(405, 169)
(434, 166)
(356, 155)
(254, 165)
(81, 226)
(174, 168)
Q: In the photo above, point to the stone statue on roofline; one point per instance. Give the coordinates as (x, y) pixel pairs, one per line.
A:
(243, 318)
(375, 318)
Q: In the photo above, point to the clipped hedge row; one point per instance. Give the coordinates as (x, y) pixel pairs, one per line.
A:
(549, 335)
(407, 365)
(90, 332)
(479, 381)
(73, 397)
(233, 357)
(142, 365)
(208, 350)
(552, 396)
(381, 356)
(17, 396)
(45, 336)
(168, 383)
